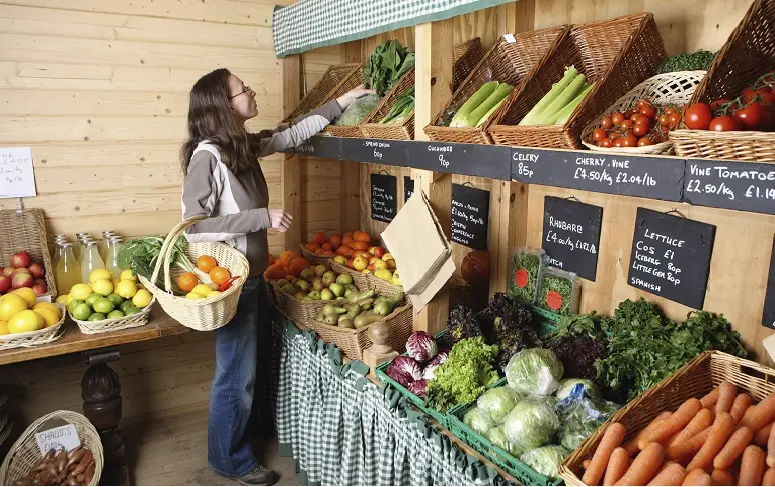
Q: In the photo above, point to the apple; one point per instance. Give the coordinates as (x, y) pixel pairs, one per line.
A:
(350, 263)
(40, 288)
(7, 271)
(391, 264)
(21, 259)
(356, 253)
(36, 270)
(5, 283)
(379, 251)
(20, 270)
(368, 256)
(387, 256)
(360, 263)
(379, 264)
(365, 271)
(370, 267)
(339, 259)
(22, 280)
(373, 259)
(371, 250)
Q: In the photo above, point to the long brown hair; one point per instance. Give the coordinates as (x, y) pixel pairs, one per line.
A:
(210, 118)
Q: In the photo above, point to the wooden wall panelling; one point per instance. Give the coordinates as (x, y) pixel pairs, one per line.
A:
(291, 73)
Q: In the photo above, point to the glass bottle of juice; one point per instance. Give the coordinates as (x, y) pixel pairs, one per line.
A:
(111, 264)
(103, 246)
(91, 260)
(78, 246)
(68, 272)
(57, 253)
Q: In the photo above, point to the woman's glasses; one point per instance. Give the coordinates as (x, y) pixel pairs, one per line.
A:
(246, 90)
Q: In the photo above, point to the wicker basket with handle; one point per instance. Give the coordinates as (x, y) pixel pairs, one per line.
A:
(695, 379)
(748, 53)
(336, 81)
(509, 62)
(37, 337)
(198, 314)
(115, 324)
(617, 54)
(403, 131)
(26, 230)
(465, 57)
(25, 454)
(663, 89)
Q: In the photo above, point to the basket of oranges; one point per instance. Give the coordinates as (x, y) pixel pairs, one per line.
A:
(207, 298)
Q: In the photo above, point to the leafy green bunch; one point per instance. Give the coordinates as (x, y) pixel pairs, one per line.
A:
(141, 254)
(386, 66)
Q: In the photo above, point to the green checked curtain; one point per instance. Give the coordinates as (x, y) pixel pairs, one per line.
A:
(342, 429)
(308, 24)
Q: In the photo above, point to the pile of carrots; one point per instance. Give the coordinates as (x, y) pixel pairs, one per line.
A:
(721, 439)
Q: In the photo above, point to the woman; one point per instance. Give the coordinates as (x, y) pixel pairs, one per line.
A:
(224, 181)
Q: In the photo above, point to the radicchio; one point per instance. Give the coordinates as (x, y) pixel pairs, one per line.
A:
(418, 387)
(404, 370)
(429, 373)
(421, 346)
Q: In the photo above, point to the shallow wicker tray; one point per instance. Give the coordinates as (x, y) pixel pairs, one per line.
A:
(38, 337)
(114, 324)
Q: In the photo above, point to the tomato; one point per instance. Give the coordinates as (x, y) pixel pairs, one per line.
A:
(768, 121)
(642, 103)
(648, 112)
(644, 141)
(664, 120)
(724, 123)
(640, 129)
(716, 105)
(698, 116)
(605, 142)
(626, 125)
(670, 110)
(638, 118)
(675, 119)
(750, 116)
(629, 140)
(599, 134)
(629, 113)
(748, 94)
(617, 118)
(618, 143)
(606, 122)
(765, 96)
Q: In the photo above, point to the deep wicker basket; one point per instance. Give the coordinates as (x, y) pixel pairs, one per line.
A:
(313, 257)
(38, 337)
(403, 131)
(198, 314)
(465, 57)
(509, 62)
(115, 324)
(336, 81)
(663, 89)
(617, 54)
(694, 379)
(300, 311)
(27, 231)
(748, 54)
(25, 454)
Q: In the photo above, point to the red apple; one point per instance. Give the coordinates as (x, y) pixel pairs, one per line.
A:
(350, 263)
(36, 270)
(22, 280)
(370, 267)
(5, 283)
(379, 251)
(21, 259)
(21, 270)
(40, 288)
(7, 271)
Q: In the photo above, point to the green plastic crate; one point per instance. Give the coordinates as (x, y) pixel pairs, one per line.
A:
(546, 321)
(503, 459)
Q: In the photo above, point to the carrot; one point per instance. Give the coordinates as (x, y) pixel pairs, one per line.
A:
(689, 447)
(698, 476)
(752, 468)
(739, 406)
(586, 463)
(672, 474)
(762, 436)
(617, 466)
(771, 448)
(720, 432)
(701, 420)
(757, 417)
(612, 438)
(632, 445)
(645, 466)
(709, 400)
(726, 396)
(678, 420)
(734, 447)
(769, 477)
(722, 477)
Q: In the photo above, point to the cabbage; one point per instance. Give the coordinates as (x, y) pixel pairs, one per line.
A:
(497, 403)
(497, 436)
(429, 372)
(532, 423)
(477, 420)
(358, 110)
(534, 371)
(421, 346)
(545, 460)
(418, 387)
(550, 401)
(404, 370)
(567, 384)
(581, 416)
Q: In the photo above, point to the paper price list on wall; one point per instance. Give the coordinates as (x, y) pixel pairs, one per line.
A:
(17, 179)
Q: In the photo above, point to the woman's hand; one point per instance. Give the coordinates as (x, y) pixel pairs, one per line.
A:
(352, 95)
(280, 220)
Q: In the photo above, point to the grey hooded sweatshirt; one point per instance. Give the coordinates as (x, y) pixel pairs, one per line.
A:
(236, 204)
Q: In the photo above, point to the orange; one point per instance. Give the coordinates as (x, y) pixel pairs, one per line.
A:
(327, 253)
(187, 281)
(219, 275)
(327, 246)
(319, 238)
(287, 256)
(360, 245)
(205, 263)
(348, 241)
(336, 241)
(363, 237)
(271, 259)
(347, 234)
(312, 247)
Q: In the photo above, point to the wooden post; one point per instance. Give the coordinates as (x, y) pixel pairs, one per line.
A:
(350, 172)
(291, 172)
(433, 87)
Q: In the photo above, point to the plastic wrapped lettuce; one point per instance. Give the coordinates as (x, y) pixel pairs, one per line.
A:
(358, 110)
(497, 436)
(497, 403)
(534, 371)
(545, 460)
(581, 416)
(567, 384)
(532, 423)
(477, 420)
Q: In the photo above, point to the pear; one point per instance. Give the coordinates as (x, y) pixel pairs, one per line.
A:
(321, 269)
(337, 288)
(317, 284)
(329, 278)
(326, 295)
(344, 279)
(303, 285)
(307, 275)
(282, 283)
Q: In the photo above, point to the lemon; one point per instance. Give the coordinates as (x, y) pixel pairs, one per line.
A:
(193, 295)
(126, 289)
(81, 291)
(127, 275)
(214, 294)
(68, 300)
(4, 328)
(115, 282)
(102, 286)
(98, 274)
(50, 317)
(24, 321)
(142, 298)
(43, 304)
(202, 289)
(28, 295)
(62, 299)
(10, 305)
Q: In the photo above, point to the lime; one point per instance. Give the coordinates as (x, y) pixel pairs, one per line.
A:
(116, 314)
(93, 297)
(132, 310)
(102, 286)
(81, 312)
(80, 291)
(103, 305)
(73, 304)
(115, 299)
(125, 305)
(62, 299)
(97, 317)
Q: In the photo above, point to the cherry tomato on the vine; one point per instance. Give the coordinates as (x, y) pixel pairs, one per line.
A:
(606, 122)
(644, 141)
(617, 118)
(599, 134)
(648, 112)
(640, 129)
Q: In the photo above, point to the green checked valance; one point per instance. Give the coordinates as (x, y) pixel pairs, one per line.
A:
(308, 24)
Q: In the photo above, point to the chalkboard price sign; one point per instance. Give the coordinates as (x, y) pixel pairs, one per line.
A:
(327, 147)
(408, 188)
(670, 257)
(487, 161)
(383, 197)
(571, 235)
(747, 186)
(391, 152)
(470, 210)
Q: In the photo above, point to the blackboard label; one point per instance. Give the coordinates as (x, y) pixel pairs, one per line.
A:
(571, 237)
(746, 186)
(670, 257)
(377, 151)
(383, 197)
(768, 314)
(487, 161)
(328, 147)
(408, 188)
(470, 211)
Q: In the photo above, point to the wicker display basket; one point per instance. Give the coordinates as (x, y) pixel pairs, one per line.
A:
(300, 311)
(663, 89)
(352, 342)
(353, 131)
(509, 62)
(313, 257)
(617, 54)
(748, 54)
(38, 337)
(198, 314)
(404, 131)
(27, 231)
(25, 454)
(360, 279)
(694, 379)
(336, 81)
(465, 57)
(114, 324)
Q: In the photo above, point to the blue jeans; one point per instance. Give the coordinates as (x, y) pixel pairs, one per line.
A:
(242, 351)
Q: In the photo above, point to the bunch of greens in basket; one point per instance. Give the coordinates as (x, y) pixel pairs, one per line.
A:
(401, 109)
(386, 66)
(141, 254)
